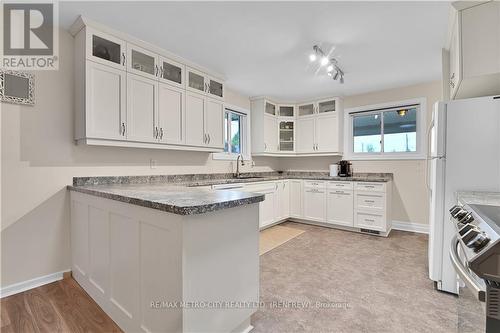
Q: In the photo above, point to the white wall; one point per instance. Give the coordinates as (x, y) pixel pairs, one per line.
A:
(39, 159)
(410, 197)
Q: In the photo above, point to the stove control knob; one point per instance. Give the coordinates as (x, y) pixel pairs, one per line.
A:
(478, 242)
(467, 218)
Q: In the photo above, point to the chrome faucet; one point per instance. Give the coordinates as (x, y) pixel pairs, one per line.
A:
(238, 165)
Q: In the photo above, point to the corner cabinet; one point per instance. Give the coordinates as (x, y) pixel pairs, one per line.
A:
(132, 94)
(474, 51)
(312, 128)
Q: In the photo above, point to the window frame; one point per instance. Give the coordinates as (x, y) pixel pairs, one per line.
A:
(420, 153)
(244, 135)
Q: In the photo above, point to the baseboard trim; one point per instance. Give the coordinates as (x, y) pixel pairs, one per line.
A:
(33, 283)
(411, 227)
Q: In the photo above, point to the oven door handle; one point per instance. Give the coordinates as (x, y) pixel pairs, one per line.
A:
(463, 273)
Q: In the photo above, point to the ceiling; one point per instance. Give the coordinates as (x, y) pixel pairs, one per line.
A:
(262, 48)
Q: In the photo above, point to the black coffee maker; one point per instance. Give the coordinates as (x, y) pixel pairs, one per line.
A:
(345, 169)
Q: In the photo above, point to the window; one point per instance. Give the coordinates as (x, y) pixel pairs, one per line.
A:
(235, 131)
(379, 132)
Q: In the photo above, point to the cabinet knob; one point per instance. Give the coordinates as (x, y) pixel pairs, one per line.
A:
(123, 58)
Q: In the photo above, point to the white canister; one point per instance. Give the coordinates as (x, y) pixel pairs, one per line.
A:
(334, 170)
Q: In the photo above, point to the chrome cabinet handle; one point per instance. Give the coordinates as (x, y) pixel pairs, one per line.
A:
(161, 133)
(123, 58)
(209, 138)
(155, 134)
(156, 70)
(369, 220)
(204, 138)
(265, 146)
(208, 87)
(370, 201)
(123, 129)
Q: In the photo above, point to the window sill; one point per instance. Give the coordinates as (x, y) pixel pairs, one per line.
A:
(228, 157)
(385, 157)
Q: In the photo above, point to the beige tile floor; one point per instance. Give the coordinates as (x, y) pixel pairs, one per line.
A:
(383, 281)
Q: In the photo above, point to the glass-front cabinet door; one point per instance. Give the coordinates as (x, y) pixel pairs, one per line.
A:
(105, 49)
(327, 106)
(270, 108)
(142, 62)
(287, 137)
(196, 81)
(286, 110)
(172, 72)
(215, 88)
(306, 109)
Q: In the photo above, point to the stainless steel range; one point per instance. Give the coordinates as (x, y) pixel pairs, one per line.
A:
(475, 254)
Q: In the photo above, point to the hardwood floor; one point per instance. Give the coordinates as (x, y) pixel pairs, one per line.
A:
(61, 306)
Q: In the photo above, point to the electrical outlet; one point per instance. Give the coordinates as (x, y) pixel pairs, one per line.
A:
(152, 163)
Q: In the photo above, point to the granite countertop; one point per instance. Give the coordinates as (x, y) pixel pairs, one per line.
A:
(478, 198)
(180, 194)
(171, 198)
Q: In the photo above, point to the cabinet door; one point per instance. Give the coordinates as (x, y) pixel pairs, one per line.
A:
(141, 108)
(105, 102)
(340, 208)
(305, 135)
(306, 109)
(196, 81)
(142, 62)
(296, 198)
(327, 134)
(286, 110)
(195, 110)
(105, 49)
(214, 123)
(314, 204)
(284, 199)
(286, 135)
(215, 88)
(327, 106)
(172, 72)
(170, 114)
(270, 134)
(267, 208)
(270, 108)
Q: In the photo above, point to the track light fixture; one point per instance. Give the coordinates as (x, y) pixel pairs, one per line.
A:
(330, 63)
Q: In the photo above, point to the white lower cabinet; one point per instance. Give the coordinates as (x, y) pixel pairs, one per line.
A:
(339, 207)
(296, 198)
(360, 205)
(315, 201)
(284, 199)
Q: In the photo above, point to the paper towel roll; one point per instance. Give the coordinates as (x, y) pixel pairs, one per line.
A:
(334, 170)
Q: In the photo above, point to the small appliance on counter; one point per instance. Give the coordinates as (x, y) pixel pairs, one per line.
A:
(345, 169)
(334, 170)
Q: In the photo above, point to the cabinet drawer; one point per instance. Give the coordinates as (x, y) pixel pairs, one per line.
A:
(315, 184)
(340, 185)
(370, 200)
(374, 187)
(370, 221)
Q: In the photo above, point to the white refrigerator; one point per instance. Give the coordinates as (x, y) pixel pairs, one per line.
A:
(463, 155)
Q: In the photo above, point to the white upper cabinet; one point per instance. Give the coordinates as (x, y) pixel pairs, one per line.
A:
(141, 108)
(308, 109)
(270, 134)
(327, 133)
(214, 120)
(474, 63)
(142, 62)
(170, 114)
(202, 83)
(306, 128)
(306, 139)
(195, 119)
(104, 48)
(132, 94)
(105, 94)
(172, 72)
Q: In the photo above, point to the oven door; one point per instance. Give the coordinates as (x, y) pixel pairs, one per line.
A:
(471, 308)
